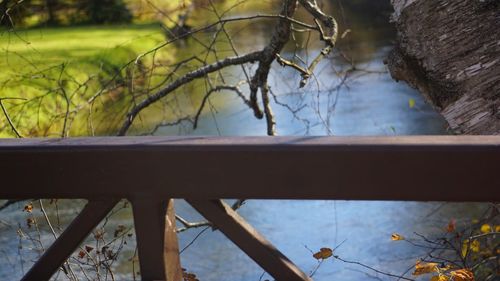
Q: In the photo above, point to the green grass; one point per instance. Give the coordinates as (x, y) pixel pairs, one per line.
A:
(46, 46)
(32, 63)
(47, 66)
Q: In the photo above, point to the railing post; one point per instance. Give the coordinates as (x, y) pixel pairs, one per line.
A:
(157, 243)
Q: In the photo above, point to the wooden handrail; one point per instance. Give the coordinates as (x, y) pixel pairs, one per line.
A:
(357, 168)
(150, 170)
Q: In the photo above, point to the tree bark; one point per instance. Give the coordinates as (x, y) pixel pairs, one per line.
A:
(450, 51)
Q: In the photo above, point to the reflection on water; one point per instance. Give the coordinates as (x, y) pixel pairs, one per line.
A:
(364, 228)
(367, 102)
(364, 102)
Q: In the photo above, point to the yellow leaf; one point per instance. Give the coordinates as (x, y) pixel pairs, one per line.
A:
(323, 254)
(425, 267)
(497, 228)
(486, 228)
(440, 278)
(445, 268)
(412, 103)
(397, 237)
(462, 275)
(475, 246)
(465, 248)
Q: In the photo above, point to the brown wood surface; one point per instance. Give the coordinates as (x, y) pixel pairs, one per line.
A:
(158, 260)
(171, 255)
(91, 215)
(355, 168)
(249, 240)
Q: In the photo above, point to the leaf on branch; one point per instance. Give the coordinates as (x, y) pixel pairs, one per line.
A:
(462, 275)
(120, 229)
(440, 278)
(425, 268)
(486, 228)
(186, 276)
(397, 237)
(497, 228)
(452, 226)
(445, 267)
(323, 254)
(81, 254)
(89, 249)
(474, 246)
(412, 103)
(99, 234)
(28, 208)
(30, 222)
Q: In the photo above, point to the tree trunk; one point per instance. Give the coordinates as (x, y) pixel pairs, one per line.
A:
(450, 51)
(51, 6)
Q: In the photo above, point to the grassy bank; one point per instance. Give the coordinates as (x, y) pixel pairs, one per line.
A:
(56, 70)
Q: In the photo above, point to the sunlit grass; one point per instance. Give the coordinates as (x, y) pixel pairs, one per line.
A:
(44, 46)
(32, 62)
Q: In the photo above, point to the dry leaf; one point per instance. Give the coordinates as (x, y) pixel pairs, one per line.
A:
(99, 234)
(445, 267)
(425, 267)
(440, 278)
(81, 254)
(119, 230)
(188, 276)
(30, 222)
(323, 254)
(28, 208)
(397, 237)
(462, 275)
(89, 249)
(452, 226)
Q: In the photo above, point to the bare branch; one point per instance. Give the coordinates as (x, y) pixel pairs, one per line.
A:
(199, 73)
(9, 120)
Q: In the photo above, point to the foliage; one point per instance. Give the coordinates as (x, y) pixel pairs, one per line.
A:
(58, 12)
(465, 253)
(106, 11)
(94, 260)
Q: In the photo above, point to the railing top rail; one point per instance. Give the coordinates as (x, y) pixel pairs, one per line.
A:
(430, 168)
(304, 141)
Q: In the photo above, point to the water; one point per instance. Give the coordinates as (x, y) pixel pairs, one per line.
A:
(367, 102)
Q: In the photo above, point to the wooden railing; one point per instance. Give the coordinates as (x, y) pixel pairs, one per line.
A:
(149, 171)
